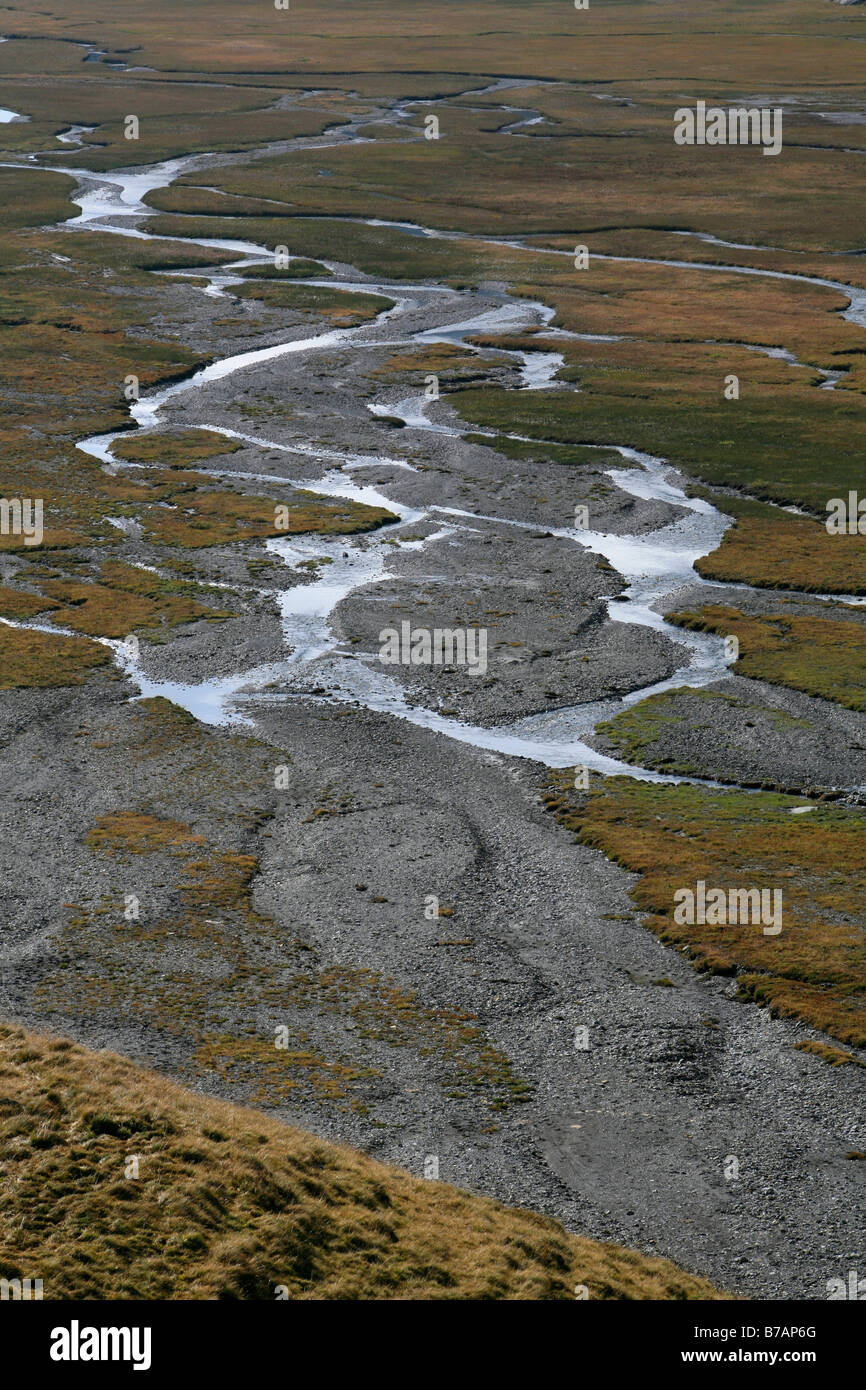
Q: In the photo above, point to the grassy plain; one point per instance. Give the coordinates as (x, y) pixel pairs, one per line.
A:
(775, 550)
(31, 659)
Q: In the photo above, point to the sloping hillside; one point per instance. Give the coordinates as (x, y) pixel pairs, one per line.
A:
(118, 1184)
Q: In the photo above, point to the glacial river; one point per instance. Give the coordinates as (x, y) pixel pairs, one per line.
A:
(655, 566)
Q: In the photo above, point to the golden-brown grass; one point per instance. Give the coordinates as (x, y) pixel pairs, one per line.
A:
(127, 599)
(820, 656)
(673, 836)
(833, 1056)
(121, 1185)
(18, 604)
(723, 41)
(29, 658)
(787, 552)
(174, 448)
(342, 308)
(219, 518)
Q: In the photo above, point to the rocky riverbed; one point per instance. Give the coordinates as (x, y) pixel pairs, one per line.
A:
(460, 980)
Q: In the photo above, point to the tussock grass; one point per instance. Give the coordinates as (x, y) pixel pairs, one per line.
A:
(342, 308)
(786, 552)
(815, 969)
(39, 659)
(219, 518)
(174, 448)
(438, 358)
(18, 603)
(125, 600)
(820, 656)
(834, 1056)
(228, 1204)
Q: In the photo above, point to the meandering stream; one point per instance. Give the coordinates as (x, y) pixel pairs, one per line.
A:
(655, 565)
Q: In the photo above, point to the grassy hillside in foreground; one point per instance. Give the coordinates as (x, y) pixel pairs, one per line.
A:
(229, 1204)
